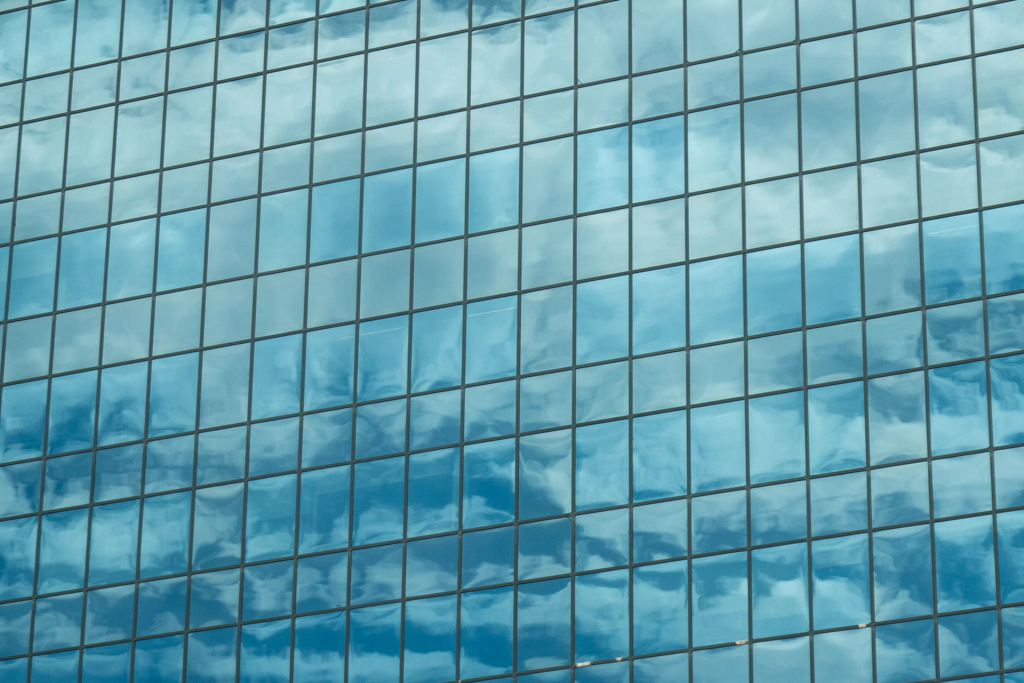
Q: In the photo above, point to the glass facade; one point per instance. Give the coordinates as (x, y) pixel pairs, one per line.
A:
(638, 341)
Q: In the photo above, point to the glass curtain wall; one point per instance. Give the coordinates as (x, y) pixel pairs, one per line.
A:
(637, 341)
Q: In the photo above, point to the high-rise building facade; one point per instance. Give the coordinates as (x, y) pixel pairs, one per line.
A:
(641, 341)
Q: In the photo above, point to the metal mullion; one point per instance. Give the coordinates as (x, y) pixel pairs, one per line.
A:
(920, 214)
(357, 329)
(516, 482)
(987, 352)
(200, 353)
(805, 403)
(408, 350)
(686, 330)
(868, 532)
(303, 361)
(149, 373)
(575, 289)
(103, 308)
(462, 303)
(744, 184)
(7, 300)
(630, 558)
(252, 349)
(46, 378)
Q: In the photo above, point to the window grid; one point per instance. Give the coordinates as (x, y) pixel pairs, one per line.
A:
(983, 298)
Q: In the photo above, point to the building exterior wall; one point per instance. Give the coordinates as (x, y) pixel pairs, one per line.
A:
(633, 341)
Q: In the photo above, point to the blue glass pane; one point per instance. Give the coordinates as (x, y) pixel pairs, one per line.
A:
(781, 661)
(220, 455)
(545, 467)
(273, 446)
(716, 296)
(376, 574)
(431, 566)
(277, 375)
(493, 189)
(905, 651)
(321, 582)
(840, 581)
(490, 411)
(602, 160)
(664, 669)
(961, 585)
(491, 339)
(58, 622)
(72, 412)
(958, 408)
(777, 437)
(436, 348)
(601, 319)
(836, 427)
(380, 428)
(33, 266)
(211, 655)
(429, 652)
(55, 667)
(382, 358)
(902, 572)
(845, 654)
(159, 659)
(547, 333)
(217, 531)
(487, 557)
(659, 456)
(489, 483)
(172, 394)
(327, 437)
(387, 210)
(109, 664)
(179, 264)
(112, 550)
(265, 651)
(602, 615)
(161, 607)
(545, 401)
(658, 154)
(379, 487)
(544, 548)
(773, 290)
(213, 598)
(778, 513)
(1007, 378)
(486, 632)
(1004, 270)
(717, 448)
(433, 492)
(16, 627)
(659, 309)
(267, 590)
(107, 614)
(659, 608)
(62, 551)
(22, 483)
(542, 640)
(319, 647)
(832, 272)
(225, 385)
(968, 644)
(602, 465)
(22, 413)
(440, 199)
(952, 259)
(719, 599)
